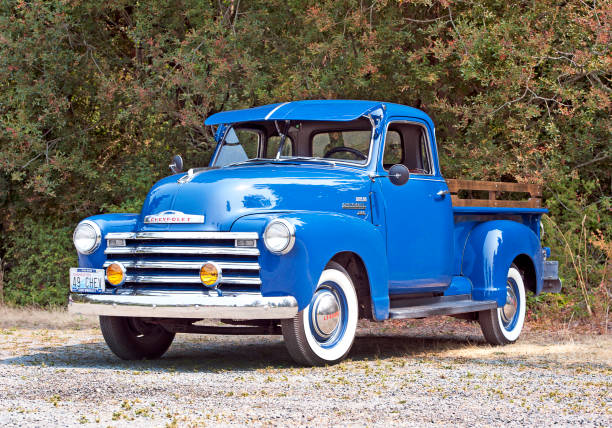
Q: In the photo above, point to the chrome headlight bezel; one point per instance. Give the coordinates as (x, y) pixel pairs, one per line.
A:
(290, 238)
(98, 236)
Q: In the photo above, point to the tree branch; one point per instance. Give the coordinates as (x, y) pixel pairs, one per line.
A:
(507, 103)
(426, 21)
(597, 159)
(450, 15)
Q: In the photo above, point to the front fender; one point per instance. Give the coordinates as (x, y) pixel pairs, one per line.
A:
(489, 251)
(318, 237)
(108, 223)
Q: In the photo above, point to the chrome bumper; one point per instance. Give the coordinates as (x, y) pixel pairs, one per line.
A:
(177, 304)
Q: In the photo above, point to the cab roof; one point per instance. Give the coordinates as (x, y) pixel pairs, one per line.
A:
(324, 110)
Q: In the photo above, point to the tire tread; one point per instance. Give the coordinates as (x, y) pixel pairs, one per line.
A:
(123, 344)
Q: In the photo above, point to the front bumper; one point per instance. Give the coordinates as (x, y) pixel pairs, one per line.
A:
(181, 304)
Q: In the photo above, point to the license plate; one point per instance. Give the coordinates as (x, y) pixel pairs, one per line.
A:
(85, 280)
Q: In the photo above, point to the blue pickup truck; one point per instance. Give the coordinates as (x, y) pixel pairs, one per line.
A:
(310, 216)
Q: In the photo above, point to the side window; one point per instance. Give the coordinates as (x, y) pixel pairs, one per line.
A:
(272, 147)
(425, 152)
(250, 141)
(394, 152)
(407, 143)
(239, 145)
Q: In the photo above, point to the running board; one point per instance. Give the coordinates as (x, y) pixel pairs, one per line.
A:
(442, 308)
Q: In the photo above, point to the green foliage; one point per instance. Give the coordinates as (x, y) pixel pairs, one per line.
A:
(97, 96)
(38, 256)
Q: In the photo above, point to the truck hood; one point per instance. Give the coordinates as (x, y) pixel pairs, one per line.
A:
(226, 194)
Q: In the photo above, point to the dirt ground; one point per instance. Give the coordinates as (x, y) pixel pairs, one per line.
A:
(56, 370)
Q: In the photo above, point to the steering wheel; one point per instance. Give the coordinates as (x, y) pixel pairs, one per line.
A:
(351, 150)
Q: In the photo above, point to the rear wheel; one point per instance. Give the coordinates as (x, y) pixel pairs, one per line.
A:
(501, 326)
(324, 331)
(134, 339)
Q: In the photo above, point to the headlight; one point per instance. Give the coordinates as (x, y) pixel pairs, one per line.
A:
(87, 237)
(279, 236)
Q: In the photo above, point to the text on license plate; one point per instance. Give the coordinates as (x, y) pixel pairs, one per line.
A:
(85, 280)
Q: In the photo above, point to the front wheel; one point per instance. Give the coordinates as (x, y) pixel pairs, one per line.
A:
(134, 339)
(324, 331)
(502, 326)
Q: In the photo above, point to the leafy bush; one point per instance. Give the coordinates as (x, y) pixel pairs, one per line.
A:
(38, 256)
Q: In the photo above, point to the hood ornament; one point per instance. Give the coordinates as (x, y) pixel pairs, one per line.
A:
(187, 177)
(191, 173)
(173, 217)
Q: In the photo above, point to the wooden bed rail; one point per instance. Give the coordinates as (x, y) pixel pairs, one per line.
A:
(494, 189)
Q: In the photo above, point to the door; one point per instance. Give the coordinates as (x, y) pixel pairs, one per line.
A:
(419, 221)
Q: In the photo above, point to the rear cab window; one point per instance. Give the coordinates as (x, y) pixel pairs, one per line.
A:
(272, 147)
(352, 145)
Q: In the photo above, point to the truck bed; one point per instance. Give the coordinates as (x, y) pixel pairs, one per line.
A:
(470, 196)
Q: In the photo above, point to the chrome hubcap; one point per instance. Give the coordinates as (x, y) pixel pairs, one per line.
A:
(326, 313)
(511, 306)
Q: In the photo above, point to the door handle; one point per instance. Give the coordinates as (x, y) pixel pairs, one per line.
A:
(443, 193)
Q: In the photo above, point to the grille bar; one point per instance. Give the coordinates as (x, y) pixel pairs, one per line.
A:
(144, 249)
(180, 279)
(173, 259)
(182, 235)
(152, 264)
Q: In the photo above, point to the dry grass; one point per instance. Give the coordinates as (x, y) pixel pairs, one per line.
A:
(36, 318)
(571, 349)
(449, 338)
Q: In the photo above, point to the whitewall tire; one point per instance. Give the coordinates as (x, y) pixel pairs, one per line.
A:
(324, 331)
(501, 326)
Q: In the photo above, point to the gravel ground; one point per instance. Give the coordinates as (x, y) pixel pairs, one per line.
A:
(419, 373)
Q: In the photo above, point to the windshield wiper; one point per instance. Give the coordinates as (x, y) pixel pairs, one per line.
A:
(283, 136)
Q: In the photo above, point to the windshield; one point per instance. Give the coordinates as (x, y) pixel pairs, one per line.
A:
(347, 142)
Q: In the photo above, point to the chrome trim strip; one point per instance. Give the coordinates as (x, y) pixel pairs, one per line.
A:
(182, 235)
(178, 279)
(276, 108)
(427, 179)
(143, 249)
(144, 264)
(172, 304)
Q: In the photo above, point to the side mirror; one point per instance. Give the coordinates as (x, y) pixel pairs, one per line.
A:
(399, 174)
(177, 164)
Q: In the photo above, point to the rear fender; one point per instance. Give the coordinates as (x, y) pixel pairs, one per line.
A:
(489, 251)
(318, 237)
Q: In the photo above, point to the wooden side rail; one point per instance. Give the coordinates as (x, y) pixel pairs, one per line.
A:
(494, 189)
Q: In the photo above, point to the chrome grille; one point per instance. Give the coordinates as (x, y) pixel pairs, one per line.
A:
(174, 259)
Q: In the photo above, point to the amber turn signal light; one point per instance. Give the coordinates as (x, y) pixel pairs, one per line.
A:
(210, 274)
(115, 274)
